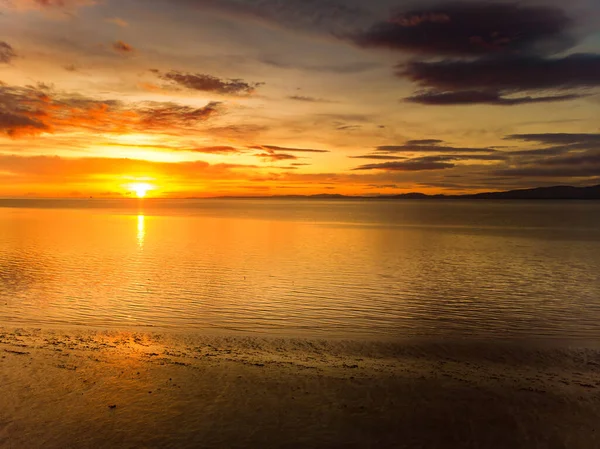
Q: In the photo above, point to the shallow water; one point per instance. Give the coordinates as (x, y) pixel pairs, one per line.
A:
(351, 269)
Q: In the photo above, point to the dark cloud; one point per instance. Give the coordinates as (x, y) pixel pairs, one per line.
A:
(569, 155)
(546, 172)
(513, 74)
(307, 99)
(560, 143)
(216, 150)
(471, 29)
(558, 138)
(460, 157)
(378, 157)
(468, 97)
(424, 142)
(586, 159)
(413, 148)
(164, 115)
(122, 47)
(407, 166)
(209, 83)
(15, 124)
(496, 54)
(552, 151)
(7, 53)
(433, 162)
(275, 157)
(348, 127)
(383, 186)
(272, 148)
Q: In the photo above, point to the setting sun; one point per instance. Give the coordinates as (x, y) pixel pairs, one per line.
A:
(141, 189)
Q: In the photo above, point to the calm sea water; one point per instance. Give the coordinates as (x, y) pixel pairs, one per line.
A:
(385, 269)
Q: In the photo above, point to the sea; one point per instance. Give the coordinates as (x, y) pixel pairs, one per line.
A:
(344, 268)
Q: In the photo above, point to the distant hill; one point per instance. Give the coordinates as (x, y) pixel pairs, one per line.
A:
(543, 193)
(540, 193)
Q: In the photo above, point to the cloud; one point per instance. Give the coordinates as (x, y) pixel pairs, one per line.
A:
(424, 146)
(33, 110)
(341, 69)
(171, 115)
(407, 166)
(546, 172)
(512, 74)
(272, 148)
(67, 170)
(118, 21)
(216, 150)
(557, 138)
(225, 150)
(307, 99)
(7, 53)
(241, 132)
(552, 151)
(467, 97)
(487, 53)
(71, 68)
(586, 159)
(424, 142)
(60, 5)
(470, 29)
(209, 83)
(122, 47)
(560, 143)
(14, 125)
(380, 157)
(461, 157)
(275, 157)
(497, 81)
(567, 155)
(316, 15)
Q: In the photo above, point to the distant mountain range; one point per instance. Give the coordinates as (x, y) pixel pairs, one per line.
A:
(540, 193)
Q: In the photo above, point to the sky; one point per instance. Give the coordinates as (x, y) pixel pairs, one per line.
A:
(200, 98)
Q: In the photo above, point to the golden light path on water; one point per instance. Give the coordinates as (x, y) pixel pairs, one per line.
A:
(141, 230)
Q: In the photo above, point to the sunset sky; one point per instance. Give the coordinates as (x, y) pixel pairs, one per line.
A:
(271, 97)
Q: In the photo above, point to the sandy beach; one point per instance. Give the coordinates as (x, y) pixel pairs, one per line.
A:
(85, 388)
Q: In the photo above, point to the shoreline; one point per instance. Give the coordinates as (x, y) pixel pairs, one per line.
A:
(193, 390)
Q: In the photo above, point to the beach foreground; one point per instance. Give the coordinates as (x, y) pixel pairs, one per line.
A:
(126, 389)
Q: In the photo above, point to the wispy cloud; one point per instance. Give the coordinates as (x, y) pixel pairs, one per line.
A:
(209, 83)
(122, 47)
(7, 53)
(273, 148)
(34, 110)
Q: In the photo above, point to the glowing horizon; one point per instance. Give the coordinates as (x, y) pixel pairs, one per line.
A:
(239, 98)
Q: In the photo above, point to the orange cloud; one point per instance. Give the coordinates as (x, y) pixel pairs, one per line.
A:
(48, 5)
(122, 47)
(118, 21)
(34, 110)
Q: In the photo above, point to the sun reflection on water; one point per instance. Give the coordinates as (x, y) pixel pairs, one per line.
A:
(141, 230)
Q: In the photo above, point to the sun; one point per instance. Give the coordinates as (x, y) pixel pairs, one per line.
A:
(141, 189)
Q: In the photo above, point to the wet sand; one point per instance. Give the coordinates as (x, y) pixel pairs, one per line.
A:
(97, 389)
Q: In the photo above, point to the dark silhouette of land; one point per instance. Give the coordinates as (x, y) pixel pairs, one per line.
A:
(539, 193)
